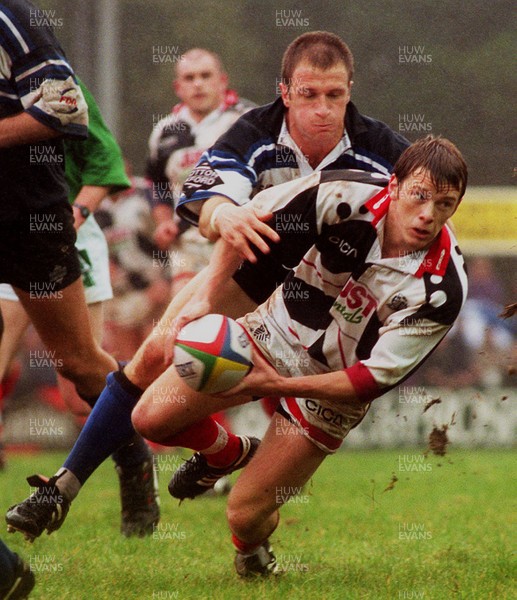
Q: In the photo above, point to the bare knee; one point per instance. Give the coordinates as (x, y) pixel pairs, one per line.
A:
(143, 421)
(150, 421)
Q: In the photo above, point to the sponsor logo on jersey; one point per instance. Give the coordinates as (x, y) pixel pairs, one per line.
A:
(398, 302)
(261, 333)
(325, 413)
(344, 247)
(203, 176)
(355, 302)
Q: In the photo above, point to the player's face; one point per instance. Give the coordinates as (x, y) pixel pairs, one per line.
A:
(316, 100)
(417, 212)
(200, 84)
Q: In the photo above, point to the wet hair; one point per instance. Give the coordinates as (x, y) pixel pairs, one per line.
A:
(439, 156)
(321, 49)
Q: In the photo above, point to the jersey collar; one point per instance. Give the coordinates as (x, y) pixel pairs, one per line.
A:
(285, 139)
(435, 259)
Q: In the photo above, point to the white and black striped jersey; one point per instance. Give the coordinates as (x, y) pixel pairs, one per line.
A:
(343, 306)
(31, 175)
(258, 152)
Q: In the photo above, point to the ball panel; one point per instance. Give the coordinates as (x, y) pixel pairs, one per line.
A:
(212, 354)
(224, 375)
(189, 368)
(205, 364)
(237, 345)
(206, 334)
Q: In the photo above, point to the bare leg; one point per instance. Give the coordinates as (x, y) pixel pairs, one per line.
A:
(78, 407)
(267, 482)
(63, 325)
(16, 322)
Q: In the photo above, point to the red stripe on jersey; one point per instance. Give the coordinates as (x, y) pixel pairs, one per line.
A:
(438, 255)
(363, 381)
(320, 436)
(318, 273)
(340, 346)
(293, 333)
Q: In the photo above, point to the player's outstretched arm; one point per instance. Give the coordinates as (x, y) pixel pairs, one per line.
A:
(219, 217)
(264, 380)
(210, 293)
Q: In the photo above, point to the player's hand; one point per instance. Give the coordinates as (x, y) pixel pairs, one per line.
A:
(195, 310)
(78, 218)
(63, 100)
(262, 380)
(165, 233)
(241, 228)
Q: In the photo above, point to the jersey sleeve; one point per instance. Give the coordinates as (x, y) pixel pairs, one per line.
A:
(45, 85)
(409, 336)
(228, 169)
(97, 160)
(400, 350)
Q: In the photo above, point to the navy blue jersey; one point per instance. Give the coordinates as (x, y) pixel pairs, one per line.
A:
(254, 154)
(32, 175)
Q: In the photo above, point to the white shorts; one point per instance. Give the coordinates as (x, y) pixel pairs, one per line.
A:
(93, 256)
(325, 422)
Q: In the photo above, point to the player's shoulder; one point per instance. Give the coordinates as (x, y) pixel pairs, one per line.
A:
(254, 131)
(242, 106)
(354, 176)
(446, 282)
(26, 28)
(266, 118)
(370, 132)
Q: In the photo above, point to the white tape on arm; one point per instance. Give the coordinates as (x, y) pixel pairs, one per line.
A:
(213, 217)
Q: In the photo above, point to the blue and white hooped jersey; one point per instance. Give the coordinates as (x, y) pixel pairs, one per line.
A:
(343, 306)
(257, 153)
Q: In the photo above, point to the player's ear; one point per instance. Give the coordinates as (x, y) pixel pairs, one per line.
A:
(224, 79)
(284, 89)
(393, 187)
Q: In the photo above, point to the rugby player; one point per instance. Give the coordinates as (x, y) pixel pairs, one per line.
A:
(383, 281)
(41, 104)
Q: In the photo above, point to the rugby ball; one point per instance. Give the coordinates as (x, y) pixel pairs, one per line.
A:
(212, 354)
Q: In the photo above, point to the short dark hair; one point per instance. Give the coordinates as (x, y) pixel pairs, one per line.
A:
(440, 157)
(321, 49)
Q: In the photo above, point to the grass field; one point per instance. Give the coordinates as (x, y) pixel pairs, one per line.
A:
(443, 531)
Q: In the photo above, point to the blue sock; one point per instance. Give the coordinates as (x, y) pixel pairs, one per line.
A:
(7, 565)
(108, 427)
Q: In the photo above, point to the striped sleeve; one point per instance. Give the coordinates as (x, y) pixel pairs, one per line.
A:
(30, 56)
(230, 168)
